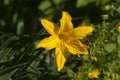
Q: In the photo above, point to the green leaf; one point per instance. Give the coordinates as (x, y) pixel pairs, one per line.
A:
(70, 72)
(81, 3)
(110, 47)
(118, 9)
(100, 58)
(86, 57)
(81, 75)
(118, 39)
(119, 53)
(113, 23)
(5, 77)
(45, 4)
(6, 2)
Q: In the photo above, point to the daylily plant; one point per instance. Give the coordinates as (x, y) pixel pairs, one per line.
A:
(64, 38)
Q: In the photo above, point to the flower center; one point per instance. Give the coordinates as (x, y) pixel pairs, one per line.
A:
(65, 37)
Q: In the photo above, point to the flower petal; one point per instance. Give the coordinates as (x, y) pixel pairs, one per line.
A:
(49, 26)
(60, 57)
(76, 48)
(81, 32)
(94, 74)
(65, 22)
(48, 43)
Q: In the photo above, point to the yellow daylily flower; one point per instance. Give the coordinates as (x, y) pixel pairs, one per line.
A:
(94, 73)
(64, 38)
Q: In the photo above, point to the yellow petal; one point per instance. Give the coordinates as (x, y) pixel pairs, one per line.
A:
(60, 57)
(49, 26)
(81, 32)
(65, 22)
(48, 43)
(94, 74)
(76, 48)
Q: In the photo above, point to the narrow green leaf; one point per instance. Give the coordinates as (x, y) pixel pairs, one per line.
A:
(11, 68)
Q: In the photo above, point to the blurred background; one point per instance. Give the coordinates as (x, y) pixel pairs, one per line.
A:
(22, 17)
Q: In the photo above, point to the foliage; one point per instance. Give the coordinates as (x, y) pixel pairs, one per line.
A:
(20, 31)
